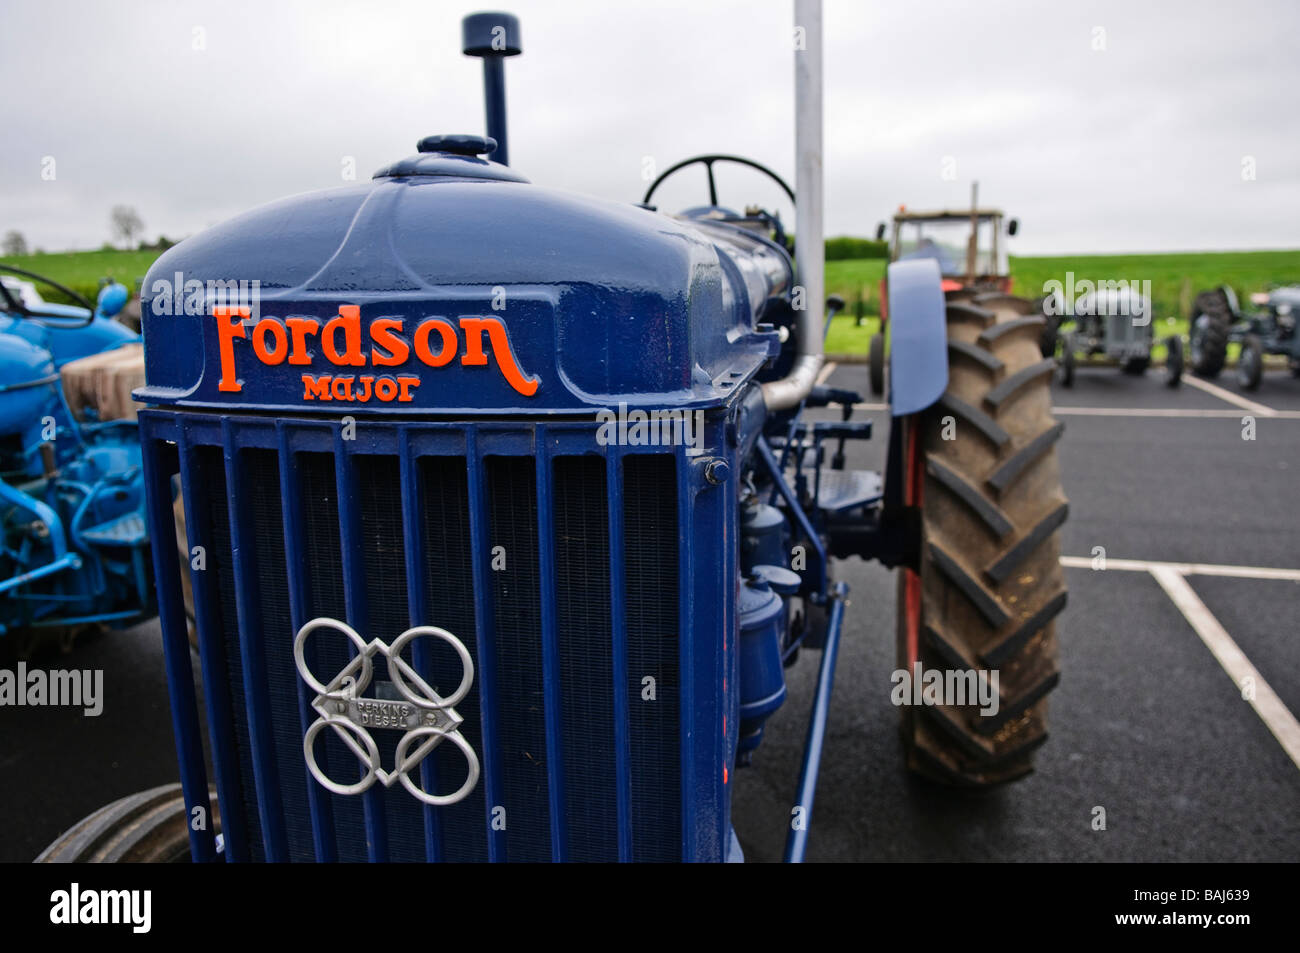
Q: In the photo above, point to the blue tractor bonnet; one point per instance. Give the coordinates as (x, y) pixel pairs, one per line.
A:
(451, 284)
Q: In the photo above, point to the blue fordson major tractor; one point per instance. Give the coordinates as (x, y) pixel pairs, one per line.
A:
(512, 515)
(74, 552)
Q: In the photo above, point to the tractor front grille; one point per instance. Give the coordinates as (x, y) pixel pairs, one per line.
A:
(558, 562)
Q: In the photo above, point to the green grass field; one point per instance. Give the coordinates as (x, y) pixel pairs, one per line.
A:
(857, 281)
(81, 270)
(1175, 281)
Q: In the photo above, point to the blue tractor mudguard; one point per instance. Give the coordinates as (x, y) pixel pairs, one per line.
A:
(918, 361)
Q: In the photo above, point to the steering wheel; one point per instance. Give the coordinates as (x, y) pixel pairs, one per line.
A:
(707, 161)
(15, 305)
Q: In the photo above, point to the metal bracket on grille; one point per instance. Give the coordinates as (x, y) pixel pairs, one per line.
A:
(426, 717)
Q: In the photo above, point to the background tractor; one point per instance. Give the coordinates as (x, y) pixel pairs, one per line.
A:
(968, 247)
(1267, 328)
(1111, 321)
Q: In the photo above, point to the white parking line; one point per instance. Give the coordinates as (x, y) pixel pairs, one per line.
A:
(1250, 406)
(1263, 699)
(1169, 412)
(1190, 412)
(1172, 578)
(1259, 410)
(1188, 569)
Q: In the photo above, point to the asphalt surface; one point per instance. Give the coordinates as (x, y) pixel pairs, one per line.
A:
(1145, 723)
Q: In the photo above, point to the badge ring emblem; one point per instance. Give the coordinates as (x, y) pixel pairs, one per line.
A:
(343, 708)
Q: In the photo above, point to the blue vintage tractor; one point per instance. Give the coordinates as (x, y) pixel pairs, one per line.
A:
(507, 510)
(73, 546)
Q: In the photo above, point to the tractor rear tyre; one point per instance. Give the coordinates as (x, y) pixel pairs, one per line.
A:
(981, 468)
(150, 827)
(1173, 361)
(1050, 337)
(1211, 319)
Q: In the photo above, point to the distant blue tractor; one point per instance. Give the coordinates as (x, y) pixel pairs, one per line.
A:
(73, 544)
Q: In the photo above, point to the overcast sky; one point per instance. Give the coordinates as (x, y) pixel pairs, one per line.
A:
(1104, 127)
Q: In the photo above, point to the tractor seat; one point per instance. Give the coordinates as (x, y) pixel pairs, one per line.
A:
(842, 490)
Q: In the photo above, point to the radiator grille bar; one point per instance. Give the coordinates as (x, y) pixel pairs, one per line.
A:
(520, 698)
(266, 778)
(223, 728)
(220, 573)
(354, 595)
(158, 464)
(618, 629)
(449, 594)
(480, 551)
(549, 649)
(650, 540)
(412, 500)
(586, 644)
(296, 556)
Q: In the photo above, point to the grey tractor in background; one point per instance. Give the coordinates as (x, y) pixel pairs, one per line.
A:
(1269, 327)
(1113, 323)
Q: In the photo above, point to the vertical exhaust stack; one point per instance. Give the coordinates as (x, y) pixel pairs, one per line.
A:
(493, 37)
(810, 248)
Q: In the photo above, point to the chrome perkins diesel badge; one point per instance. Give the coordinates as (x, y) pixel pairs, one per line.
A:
(426, 718)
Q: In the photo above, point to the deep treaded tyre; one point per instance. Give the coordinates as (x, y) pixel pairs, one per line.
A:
(990, 582)
(146, 828)
(1173, 360)
(876, 364)
(1051, 335)
(1211, 319)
